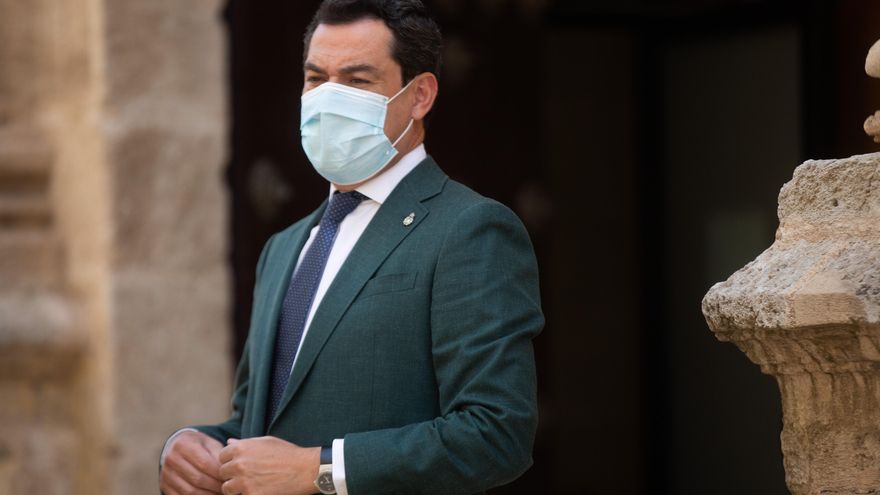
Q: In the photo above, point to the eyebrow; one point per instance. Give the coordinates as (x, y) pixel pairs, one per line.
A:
(348, 70)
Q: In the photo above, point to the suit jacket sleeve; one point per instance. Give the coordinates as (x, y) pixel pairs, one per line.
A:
(231, 428)
(485, 311)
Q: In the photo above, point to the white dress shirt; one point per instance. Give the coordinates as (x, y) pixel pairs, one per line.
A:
(352, 226)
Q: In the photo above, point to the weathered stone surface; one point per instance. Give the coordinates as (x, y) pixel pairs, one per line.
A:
(872, 68)
(872, 126)
(872, 62)
(164, 114)
(173, 367)
(38, 457)
(39, 339)
(113, 274)
(807, 311)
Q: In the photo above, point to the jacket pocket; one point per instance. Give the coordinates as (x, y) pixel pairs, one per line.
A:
(388, 283)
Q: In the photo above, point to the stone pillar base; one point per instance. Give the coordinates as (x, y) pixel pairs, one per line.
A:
(807, 311)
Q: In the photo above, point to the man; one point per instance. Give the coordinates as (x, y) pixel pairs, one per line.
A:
(390, 344)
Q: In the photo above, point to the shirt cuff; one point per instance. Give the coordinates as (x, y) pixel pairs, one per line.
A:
(168, 443)
(339, 467)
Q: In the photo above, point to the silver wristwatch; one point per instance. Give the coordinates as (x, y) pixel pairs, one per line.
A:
(324, 481)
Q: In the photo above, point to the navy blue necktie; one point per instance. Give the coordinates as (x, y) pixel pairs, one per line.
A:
(301, 294)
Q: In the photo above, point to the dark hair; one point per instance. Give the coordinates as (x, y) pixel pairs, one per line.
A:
(417, 39)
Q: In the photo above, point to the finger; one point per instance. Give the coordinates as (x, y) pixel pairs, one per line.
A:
(165, 484)
(227, 453)
(201, 459)
(176, 485)
(232, 487)
(213, 447)
(228, 470)
(208, 439)
(181, 467)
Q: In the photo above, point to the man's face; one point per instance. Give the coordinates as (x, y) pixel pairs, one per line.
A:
(359, 55)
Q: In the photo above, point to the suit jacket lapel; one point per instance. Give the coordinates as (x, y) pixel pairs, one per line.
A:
(383, 234)
(288, 248)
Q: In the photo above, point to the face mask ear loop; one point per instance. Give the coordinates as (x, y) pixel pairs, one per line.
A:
(401, 91)
(408, 127)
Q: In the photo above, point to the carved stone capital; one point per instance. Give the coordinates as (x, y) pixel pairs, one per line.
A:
(807, 311)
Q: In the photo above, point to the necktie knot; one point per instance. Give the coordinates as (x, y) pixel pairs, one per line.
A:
(341, 204)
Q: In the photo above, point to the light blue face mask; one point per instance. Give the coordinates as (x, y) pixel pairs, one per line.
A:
(343, 132)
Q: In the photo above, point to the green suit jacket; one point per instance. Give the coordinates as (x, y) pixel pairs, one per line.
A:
(420, 354)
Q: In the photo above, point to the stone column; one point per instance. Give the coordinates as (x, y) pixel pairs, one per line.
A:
(807, 311)
(114, 324)
(54, 410)
(165, 127)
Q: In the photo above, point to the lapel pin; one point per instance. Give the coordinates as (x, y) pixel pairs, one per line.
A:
(409, 219)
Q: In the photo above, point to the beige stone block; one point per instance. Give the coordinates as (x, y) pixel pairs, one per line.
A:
(38, 336)
(39, 443)
(872, 68)
(872, 126)
(169, 203)
(172, 363)
(165, 124)
(807, 311)
(114, 324)
(872, 62)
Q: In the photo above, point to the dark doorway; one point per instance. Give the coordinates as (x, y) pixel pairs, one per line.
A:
(643, 143)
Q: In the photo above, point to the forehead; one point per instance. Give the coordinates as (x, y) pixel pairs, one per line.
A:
(366, 41)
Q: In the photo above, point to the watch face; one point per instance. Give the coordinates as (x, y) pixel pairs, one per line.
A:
(325, 482)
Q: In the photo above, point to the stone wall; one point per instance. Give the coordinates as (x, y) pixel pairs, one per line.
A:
(807, 310)
(113, 279)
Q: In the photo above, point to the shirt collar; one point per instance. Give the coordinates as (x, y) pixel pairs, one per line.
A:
(379, 188)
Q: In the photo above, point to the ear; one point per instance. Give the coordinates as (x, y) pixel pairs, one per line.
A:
(425, 92)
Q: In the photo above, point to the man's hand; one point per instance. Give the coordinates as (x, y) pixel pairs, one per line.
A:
(192, 465)
(268, 466)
